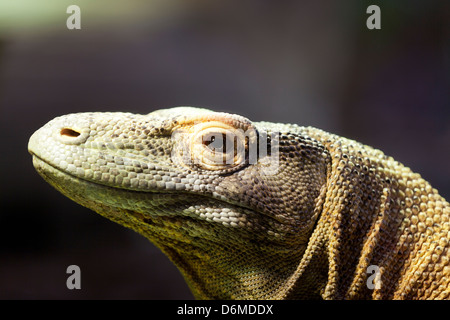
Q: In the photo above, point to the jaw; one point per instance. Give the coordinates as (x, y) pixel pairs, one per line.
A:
(95, 196)
(114, 203)
(185, 227)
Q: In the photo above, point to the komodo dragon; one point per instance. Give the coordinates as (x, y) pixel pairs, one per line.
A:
(255, 210)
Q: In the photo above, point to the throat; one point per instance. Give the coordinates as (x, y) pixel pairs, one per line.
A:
(223, 272)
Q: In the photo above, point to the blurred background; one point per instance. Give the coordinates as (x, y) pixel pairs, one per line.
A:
(305, 62)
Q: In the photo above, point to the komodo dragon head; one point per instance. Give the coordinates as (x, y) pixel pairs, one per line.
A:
(232, 203)
(255, 210)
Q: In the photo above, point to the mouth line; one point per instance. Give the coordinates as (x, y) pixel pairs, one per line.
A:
(101, 184)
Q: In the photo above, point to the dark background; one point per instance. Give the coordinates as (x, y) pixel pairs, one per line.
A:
(306, 62)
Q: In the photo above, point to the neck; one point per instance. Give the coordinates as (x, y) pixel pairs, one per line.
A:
(227, 272)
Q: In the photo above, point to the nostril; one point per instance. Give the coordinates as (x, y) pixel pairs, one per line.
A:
(69, 133)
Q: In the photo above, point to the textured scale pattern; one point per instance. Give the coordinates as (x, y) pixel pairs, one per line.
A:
(311, 228)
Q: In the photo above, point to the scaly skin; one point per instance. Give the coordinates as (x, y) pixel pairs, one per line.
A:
(306, 219)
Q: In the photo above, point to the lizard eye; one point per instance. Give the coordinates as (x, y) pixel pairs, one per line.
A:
(218, 147)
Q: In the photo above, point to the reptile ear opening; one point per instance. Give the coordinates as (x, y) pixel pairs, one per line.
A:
(69, 133)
